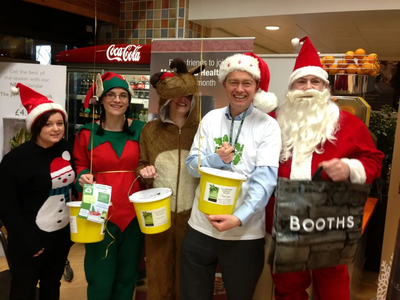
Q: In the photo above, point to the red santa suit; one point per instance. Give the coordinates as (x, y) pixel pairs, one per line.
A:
(354, 146)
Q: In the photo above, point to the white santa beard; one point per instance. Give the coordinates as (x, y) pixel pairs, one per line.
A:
(307, 120)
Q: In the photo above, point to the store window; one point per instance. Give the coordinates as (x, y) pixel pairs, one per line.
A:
(43, 54)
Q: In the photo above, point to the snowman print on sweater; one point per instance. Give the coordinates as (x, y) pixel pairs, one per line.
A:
(54, 214)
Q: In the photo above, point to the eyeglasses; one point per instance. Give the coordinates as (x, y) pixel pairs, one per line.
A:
(112, 96)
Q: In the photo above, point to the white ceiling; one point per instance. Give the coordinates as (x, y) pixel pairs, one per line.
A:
(374, 31)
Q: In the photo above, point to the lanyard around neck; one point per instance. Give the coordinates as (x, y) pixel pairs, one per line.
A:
(239, 129)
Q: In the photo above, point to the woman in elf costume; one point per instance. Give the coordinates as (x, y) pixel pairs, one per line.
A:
(165, 143)
(107, 152)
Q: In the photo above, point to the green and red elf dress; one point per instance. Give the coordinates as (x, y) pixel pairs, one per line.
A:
(115, 157)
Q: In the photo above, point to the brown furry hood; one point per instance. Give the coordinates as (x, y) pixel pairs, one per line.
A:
(180, 82)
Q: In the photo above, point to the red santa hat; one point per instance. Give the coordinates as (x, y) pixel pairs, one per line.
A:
(258, 68)
(103, 84)
(35, 104)
(307, 62)
(60, 165)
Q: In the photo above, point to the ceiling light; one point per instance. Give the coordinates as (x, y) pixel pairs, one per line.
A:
(272, 27)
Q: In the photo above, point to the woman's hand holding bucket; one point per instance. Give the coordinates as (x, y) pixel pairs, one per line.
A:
(223, 222)
(86, 178)
(226, 152)
(148, 172)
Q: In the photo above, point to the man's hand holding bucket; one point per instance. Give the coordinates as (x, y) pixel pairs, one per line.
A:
(223, 222)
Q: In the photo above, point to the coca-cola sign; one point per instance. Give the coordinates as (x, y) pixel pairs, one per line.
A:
(108, 54)
(128, 53)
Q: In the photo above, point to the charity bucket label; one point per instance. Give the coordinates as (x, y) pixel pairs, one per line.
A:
(155, 217)
(73, 225)
(219, 194)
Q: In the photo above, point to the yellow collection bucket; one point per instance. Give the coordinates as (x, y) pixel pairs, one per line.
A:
(153, 209)
(83, 231)
(219, 191)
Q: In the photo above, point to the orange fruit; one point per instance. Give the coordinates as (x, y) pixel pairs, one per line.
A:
(362, 60)
(348, 108)
(372, 58)
(359, 53)
(351, 62)
(333, 69)
(342, 71)
(349, 56)
(377, 67)
(342, 63)
(360, 70)
(325, 67)
(328, 60)
(367, 67)
(351, 69)
(373, 73)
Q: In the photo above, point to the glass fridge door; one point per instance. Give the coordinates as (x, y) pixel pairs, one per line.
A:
(140, 84)
(79, 82)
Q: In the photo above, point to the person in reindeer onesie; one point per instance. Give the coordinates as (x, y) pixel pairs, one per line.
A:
(164, 145)
(316, 133)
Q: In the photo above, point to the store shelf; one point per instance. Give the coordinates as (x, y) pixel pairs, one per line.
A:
(138, 100)
(80, 97)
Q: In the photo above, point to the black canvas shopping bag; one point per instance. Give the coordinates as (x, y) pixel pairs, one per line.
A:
(317, 224)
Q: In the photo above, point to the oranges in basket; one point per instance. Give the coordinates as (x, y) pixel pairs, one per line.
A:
(354, 62)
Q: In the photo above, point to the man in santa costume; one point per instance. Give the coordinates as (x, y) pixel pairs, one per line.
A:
(316, 133)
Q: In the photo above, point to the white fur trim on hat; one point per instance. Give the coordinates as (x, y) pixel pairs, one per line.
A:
(309, 70)
(239, 62)
(40, 110)
(61, 171)
(265, 101)
(295, 42)
(14, 90)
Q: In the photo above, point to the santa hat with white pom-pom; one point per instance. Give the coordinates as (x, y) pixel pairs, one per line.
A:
(307, 63)
(35, 104)
(258, 68)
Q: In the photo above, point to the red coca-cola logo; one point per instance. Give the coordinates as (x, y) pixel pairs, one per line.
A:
(128, 53)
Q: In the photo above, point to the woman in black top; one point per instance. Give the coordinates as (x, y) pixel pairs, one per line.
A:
(36, 180)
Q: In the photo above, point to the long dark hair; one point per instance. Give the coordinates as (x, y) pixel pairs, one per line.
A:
(42, 121)
(125, 128)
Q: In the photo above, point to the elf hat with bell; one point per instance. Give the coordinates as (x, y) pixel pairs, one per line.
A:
(258, 68)
(103, 84)
(60, 165)
(36, 104)
(307, 62)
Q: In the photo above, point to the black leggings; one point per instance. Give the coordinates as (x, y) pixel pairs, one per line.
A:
(47, 269)
(241, 263)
